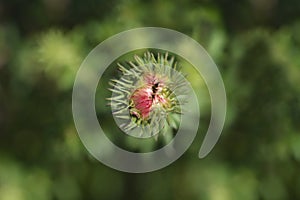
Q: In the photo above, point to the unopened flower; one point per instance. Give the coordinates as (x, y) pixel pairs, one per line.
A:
(147, 94)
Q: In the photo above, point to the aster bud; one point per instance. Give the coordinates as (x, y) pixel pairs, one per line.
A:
(146, 95)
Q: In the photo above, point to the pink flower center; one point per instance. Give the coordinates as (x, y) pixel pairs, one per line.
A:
(142, 101)
(143, 98)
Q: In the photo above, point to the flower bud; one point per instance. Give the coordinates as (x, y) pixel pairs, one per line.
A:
(143, 99)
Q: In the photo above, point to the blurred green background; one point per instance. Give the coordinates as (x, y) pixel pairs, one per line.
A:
(256, 45)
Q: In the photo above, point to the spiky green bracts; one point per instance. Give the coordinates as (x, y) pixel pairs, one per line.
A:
(147, 94)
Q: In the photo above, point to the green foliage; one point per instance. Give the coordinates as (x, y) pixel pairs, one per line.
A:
(256, 45)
